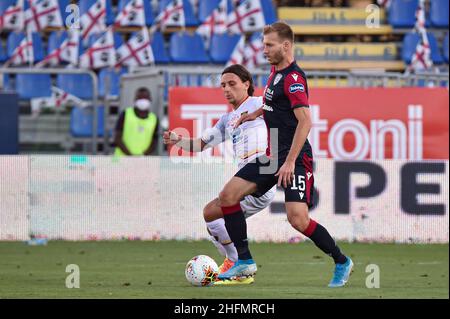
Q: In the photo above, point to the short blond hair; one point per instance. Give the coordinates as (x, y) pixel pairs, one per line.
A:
(281, 28)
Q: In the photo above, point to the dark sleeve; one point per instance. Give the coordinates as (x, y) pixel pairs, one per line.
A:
(295, 88)
(120, 121)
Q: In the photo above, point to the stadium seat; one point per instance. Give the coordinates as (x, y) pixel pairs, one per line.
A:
(159, 49)
(3, 56)
(4, 4)
(81, 120)
(14, 39)
(190, 18)
(187, 48)
(149, 16)
(86, 4)
(445, 48)
(33, 85)
(410, 42)
(270, 15)
(113, 76)
(79, 85)
(118, 40)
(402, 13)
(439, 13)
(206, 7)
(56, 38)
(222, 46)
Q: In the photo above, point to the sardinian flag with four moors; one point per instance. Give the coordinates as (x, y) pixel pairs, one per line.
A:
(247, 17)
(137, 51)
(42, 14)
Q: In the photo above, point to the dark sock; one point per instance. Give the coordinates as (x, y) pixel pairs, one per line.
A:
(237, 229)
(320, 236)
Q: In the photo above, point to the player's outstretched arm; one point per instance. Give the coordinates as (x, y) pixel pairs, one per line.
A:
(249, 117)
(187, 144)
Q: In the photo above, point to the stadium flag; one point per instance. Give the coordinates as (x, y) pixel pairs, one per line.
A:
(171, 16)
(238, 54)
(22, 54)
(131, 15)
(247, 17)
(67, 52)
(94, 20)
(57, 100)
(13, 17)
(42, 14)
(421, 59)
(101, 53)
(137, 51)
(216, 22)
(253, 52)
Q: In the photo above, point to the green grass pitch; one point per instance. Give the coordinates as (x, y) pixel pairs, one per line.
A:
(142, 269)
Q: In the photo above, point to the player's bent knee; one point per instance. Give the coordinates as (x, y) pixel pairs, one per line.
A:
(227, 198)
(299, 220)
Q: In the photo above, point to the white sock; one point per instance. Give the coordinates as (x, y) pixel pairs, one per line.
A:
(218, 245)
(217, 229)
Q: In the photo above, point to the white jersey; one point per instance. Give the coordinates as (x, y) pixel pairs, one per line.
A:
(249, 139)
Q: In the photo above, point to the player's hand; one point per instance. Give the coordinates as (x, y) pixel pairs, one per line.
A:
(244, 118)
(286, 174)
(170, 137)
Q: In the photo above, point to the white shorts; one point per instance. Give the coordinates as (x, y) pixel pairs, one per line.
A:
(252, 205)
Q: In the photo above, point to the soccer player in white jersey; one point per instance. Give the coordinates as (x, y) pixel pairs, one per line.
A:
(249, 141)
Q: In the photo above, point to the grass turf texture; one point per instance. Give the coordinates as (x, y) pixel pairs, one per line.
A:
(138, 269)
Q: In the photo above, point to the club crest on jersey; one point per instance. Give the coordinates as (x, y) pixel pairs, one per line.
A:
(296, 87)
(277, 79)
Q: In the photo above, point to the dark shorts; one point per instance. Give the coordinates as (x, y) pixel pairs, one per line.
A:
(262, 172)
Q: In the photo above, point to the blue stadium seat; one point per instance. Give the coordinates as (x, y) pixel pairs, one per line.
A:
(81, 120)
(86, 4)
(222, 45)
(4, 4)
(445, 48)
(14, 39)
(439, 13)
(190, 18)
(113, 77)
(118, 40)
(79, 85)
(56, 38)
(159, 49)
(402, 13)
(3, 56)
(187, 48)
(409, 47)
(33, 85)
(206, 7)
(270, 15)
(149, 16)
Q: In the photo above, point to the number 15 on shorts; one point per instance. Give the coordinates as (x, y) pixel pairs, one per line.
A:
(299, 183)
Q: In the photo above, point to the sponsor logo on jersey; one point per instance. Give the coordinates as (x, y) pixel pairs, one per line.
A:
(295, 76)
(296, 87)
(267, 108)
(277, 79)
(269, 94)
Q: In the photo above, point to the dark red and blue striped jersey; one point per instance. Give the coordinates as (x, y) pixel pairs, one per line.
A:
(286, 90)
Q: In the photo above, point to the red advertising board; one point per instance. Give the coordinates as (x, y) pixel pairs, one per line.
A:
(348, 123)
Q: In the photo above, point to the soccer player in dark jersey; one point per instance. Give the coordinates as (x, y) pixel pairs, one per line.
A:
(288, 163)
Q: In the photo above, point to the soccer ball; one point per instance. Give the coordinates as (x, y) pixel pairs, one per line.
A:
(201, 270)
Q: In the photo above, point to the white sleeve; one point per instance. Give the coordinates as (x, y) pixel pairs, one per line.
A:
(215, 135)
